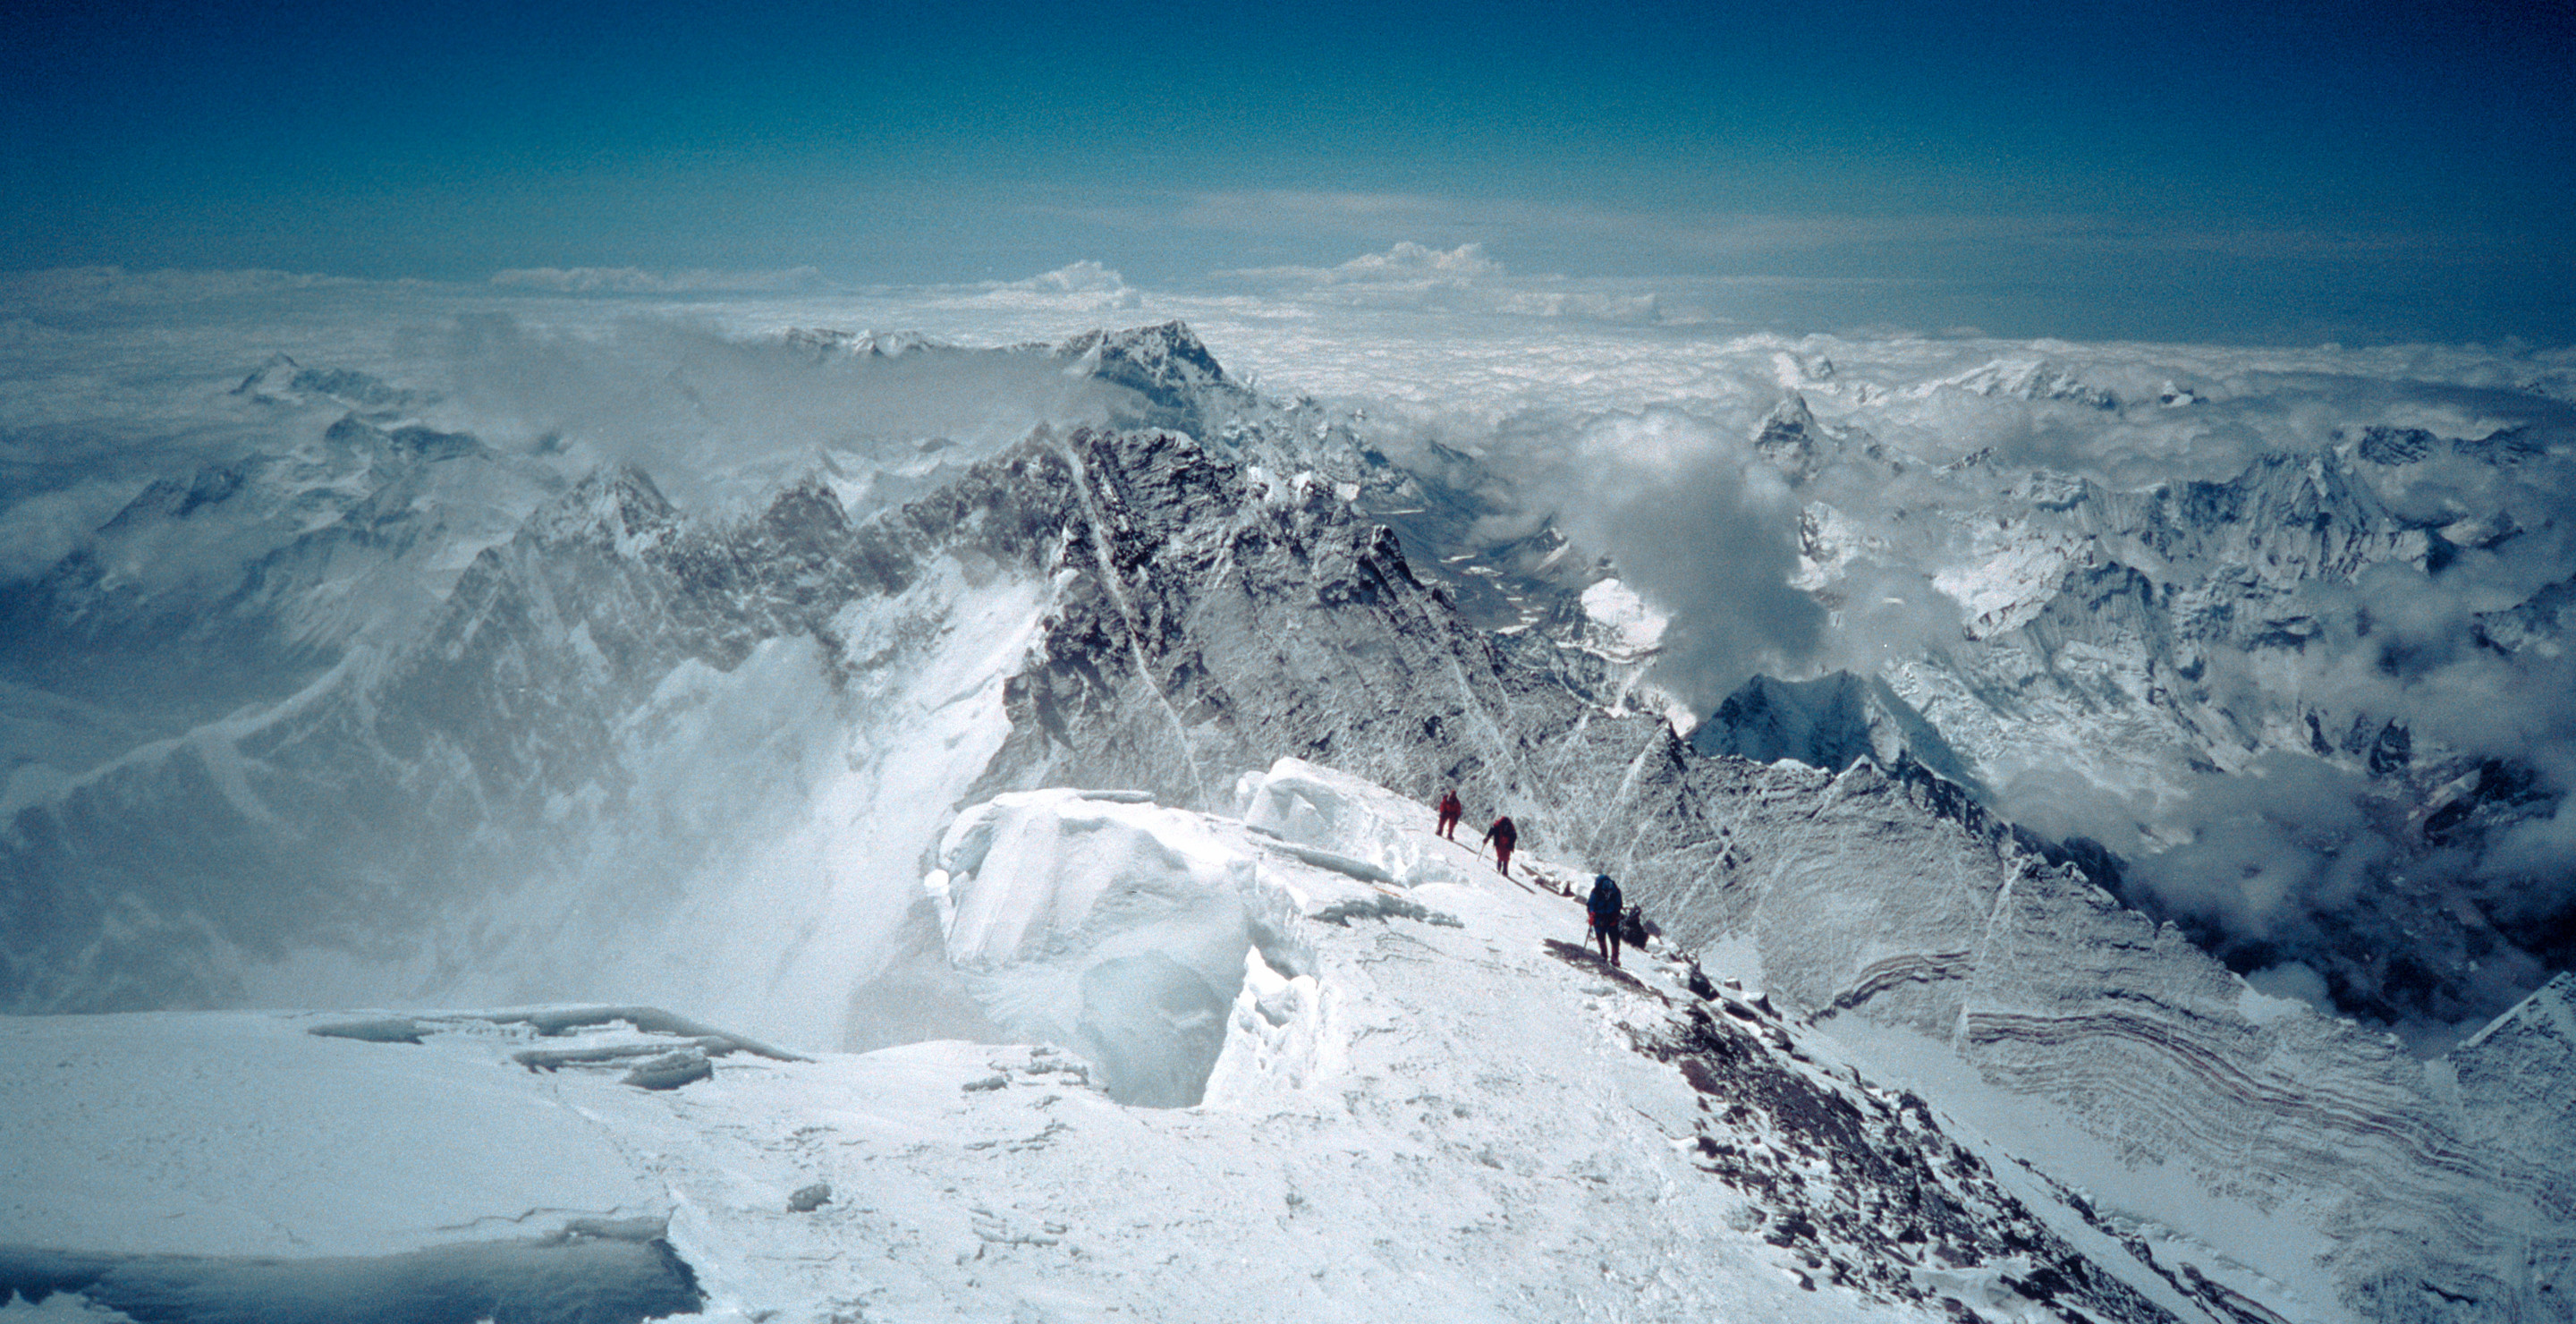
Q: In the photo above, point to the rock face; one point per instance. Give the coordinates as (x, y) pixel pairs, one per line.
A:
(2512, 1081)
(1829, 722)
(2053, 992)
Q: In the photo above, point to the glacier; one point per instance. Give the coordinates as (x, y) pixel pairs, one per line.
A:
(1082, 755)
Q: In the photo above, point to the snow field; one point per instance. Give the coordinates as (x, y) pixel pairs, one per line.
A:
(240, 1134)
(1417, 1120)
(1312, 805)
(1412, 1111)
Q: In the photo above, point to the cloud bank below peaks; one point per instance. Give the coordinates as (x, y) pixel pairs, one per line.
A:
(1411, 276)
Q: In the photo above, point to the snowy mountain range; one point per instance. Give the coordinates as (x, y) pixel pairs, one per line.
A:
(1109, 736)
(2128, 662)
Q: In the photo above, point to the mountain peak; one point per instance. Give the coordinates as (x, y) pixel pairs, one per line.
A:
(617, 501)
(2033, 379)
(1789, 437)
(1166, 364)
(283, 381)
(269, 379)
(1831, 722)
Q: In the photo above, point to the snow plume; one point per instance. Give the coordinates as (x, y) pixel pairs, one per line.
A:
(1704, 531)
(716, 416)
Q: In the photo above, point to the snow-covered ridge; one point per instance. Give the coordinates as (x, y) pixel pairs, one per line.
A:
(649, 752)
(1393, 1113)
(1405, 1079)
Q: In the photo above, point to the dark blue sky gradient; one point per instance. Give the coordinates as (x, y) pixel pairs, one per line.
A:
(2187, 170)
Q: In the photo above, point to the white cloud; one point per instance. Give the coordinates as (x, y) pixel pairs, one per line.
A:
(636, 280)
(40, 530)
(1705, 531)
(1084, 277)
(1407, 263)
(1417, 277)
(1084, 289)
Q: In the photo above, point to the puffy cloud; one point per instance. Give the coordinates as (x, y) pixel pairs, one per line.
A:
(39, 530)
(1407, 263)
(1706, 532)
(635, 280)
(1079, 289)
(1084, 277)
(2278, 842)
(2295, 980)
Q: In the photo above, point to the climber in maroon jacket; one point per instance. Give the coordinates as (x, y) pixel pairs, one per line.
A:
(1504, 836)
(1450, 812)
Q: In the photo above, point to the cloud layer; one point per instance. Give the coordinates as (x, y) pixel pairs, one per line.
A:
(1797, 502)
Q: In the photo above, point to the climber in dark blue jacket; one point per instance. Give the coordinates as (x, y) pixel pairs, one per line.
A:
(1604, 908)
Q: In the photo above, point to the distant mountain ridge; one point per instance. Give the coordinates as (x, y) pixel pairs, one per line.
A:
(1830, 722)
(639, 748)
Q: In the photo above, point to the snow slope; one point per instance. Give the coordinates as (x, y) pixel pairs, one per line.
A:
(1427, 1103)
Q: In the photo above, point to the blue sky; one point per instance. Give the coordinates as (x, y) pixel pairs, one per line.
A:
(2288, 172)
